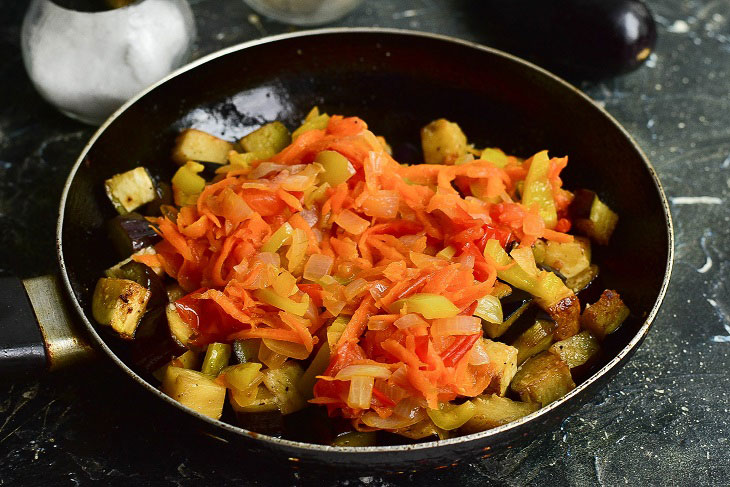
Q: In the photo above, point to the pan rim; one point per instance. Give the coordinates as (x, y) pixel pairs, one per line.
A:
(297, 445)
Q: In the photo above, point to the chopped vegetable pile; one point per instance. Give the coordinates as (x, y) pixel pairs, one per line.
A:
(313, 269)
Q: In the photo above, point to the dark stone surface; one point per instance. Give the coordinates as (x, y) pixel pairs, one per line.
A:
(662, 420)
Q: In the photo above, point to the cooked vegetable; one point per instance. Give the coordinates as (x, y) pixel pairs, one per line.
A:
(316, 367)
(450, 417)
(153, 345)
(491, 411)
(119, 303)
(606, 315)
(535, 339)
(513, 306)
(194, 390)
(216, 357)
(592, 217)
(495, 156)
(144, 276)
(131, 233)
(593, 38)
(267, 140)
(341, 279)
(544, 378)
(443, 142)
(355, 438)
(538, 191)
(196, 145)
(430, 306)
(130, 190)
(583, 280)
(576, 350)
(187, 184)
(282, 383)
(246, 350)
(423, 429)
(337, 169)
(263, 401)
(489, 309)
(503, 361)
(314, 121)
(568, 258)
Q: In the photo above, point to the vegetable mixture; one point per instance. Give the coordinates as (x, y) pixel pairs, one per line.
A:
(312, 270)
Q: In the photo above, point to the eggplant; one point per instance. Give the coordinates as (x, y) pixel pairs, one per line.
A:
(145, 276)
(153, 345)
(588, 39)
(130, 233)
(164, 197)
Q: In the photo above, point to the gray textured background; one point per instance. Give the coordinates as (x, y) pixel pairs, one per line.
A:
(662, 421)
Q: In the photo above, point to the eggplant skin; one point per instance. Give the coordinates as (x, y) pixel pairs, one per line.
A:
(589, 39)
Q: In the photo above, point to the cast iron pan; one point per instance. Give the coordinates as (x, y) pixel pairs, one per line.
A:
(397, 81)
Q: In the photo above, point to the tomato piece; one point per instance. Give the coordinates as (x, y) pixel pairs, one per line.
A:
(500, 232)
(263, 202)
(207, 318)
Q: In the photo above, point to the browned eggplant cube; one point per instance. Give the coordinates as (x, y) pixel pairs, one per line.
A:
(543, 379)
(576, 350)
(604, 316)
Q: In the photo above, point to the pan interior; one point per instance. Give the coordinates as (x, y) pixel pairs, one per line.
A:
(397, 83)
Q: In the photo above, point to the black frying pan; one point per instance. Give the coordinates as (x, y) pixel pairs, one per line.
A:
(397, 81)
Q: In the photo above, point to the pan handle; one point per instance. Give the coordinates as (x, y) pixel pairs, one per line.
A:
(36, 330)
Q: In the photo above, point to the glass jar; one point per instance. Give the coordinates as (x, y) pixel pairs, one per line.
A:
(87, 63)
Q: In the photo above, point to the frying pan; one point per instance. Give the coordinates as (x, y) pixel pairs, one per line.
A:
(397, 81)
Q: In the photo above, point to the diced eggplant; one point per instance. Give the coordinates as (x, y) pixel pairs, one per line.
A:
(130, 233)
(606, 315)
(264, 401)
(592, 217)
(196, 145)
(153, 346)
(560, 303)
(442, 142)
(130, 190)
(144, 276)
(188, 360)
(266, 140)
(195, 390)
(513, 306)
(543, 379)
(568, 258)
(282, 383)
(493, 411)
(581, 281)
(119, 303)
(535, 339)
(576, 350)
(503, 360)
